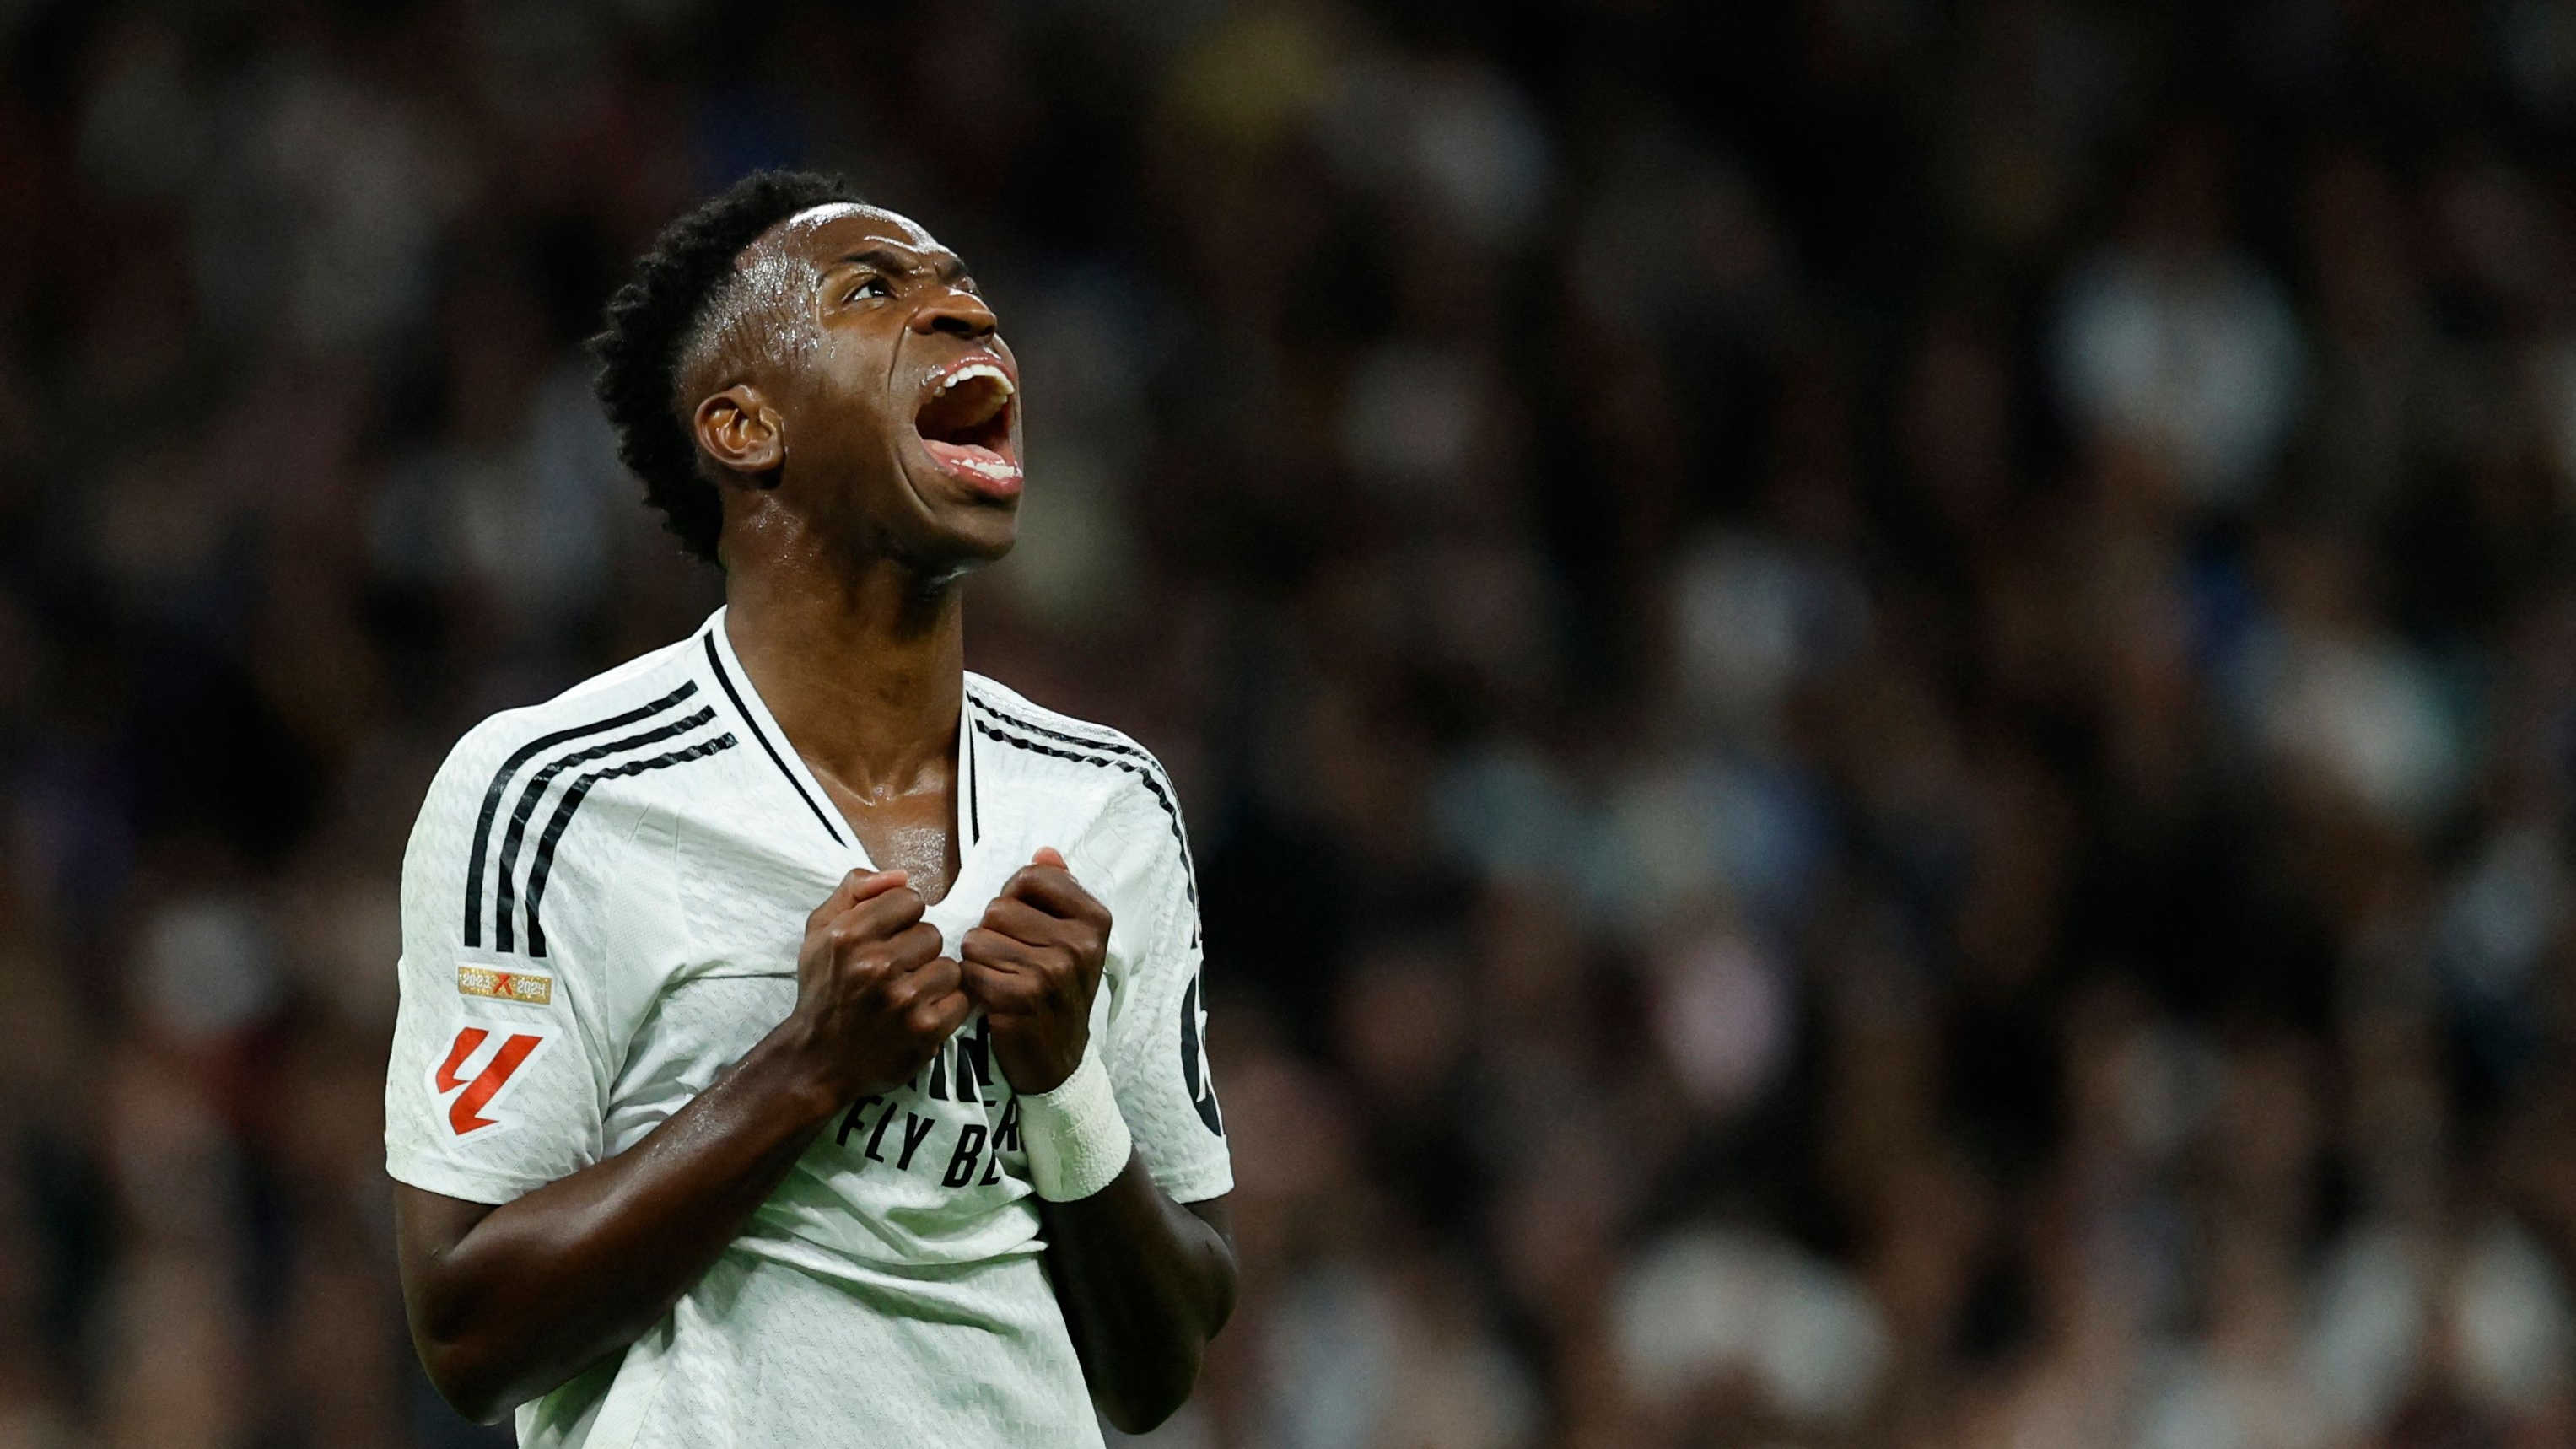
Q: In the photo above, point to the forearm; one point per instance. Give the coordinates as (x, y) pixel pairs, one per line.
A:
(541, 1287)
(1145, 1283)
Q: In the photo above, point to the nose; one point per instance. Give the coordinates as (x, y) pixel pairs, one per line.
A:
(957, 312)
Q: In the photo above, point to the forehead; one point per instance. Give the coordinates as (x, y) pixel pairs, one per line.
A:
(824, 234)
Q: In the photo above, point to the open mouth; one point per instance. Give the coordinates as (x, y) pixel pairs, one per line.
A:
(965, 424)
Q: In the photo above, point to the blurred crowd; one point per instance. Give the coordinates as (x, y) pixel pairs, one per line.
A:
(1876, 697)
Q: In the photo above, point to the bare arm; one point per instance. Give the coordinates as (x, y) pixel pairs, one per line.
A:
(508, 1302)
(1145, 1283)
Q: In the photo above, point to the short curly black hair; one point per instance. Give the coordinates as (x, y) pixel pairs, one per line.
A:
(654, 320)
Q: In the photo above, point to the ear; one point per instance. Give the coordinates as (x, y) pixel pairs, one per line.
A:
(743, 433)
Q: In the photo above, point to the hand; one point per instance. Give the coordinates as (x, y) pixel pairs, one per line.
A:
(1034, 965)
(874, 998)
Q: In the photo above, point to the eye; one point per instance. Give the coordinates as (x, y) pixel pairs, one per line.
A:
(869, 287)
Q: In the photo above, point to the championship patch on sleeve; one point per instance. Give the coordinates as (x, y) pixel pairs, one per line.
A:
(477, 1072)
(534, 988)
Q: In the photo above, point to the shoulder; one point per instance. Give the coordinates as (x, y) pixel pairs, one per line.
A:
(1077, 749)
(534, 795)
(998, 706)
(1135, 834)
(527, 827)
(638, 710)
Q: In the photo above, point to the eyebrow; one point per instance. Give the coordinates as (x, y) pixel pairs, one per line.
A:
(888, 259)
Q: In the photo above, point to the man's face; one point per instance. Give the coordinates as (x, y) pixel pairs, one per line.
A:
(902, 424)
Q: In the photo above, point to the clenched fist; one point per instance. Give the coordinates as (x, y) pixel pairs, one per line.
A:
(1034, 965)
(874, 998)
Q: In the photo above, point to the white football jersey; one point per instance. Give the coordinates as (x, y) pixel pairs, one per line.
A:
(602, 905)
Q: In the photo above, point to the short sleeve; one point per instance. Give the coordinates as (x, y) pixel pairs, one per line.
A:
(1157, 1052)
(511, 1023)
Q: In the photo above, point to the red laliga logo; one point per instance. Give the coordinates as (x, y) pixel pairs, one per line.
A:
(465, 1114)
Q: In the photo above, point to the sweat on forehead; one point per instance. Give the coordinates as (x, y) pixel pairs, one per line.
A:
(755, 315)
(762, 312)
(897, 225)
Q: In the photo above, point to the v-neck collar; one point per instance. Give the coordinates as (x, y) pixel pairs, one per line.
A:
(744, 696)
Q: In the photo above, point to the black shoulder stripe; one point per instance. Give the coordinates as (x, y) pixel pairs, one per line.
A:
(1153, 768)
(505, 891)
(1105, 747)
(1171, 811)
(501, 783)
(717, 664)
(572, 798)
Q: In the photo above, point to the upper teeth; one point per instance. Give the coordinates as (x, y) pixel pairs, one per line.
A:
(974, 369)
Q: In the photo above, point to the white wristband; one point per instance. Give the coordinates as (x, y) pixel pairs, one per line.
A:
(1077, 1143)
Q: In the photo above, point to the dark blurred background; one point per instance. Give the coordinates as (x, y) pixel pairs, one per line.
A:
(1876, 697)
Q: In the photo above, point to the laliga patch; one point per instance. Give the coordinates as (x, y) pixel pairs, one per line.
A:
(482, 1064)
(534, 988)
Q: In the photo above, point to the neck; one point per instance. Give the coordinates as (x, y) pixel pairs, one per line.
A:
(865, 671)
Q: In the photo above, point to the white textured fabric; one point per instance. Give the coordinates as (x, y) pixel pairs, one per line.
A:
(1077, 1142)
(602, 904)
